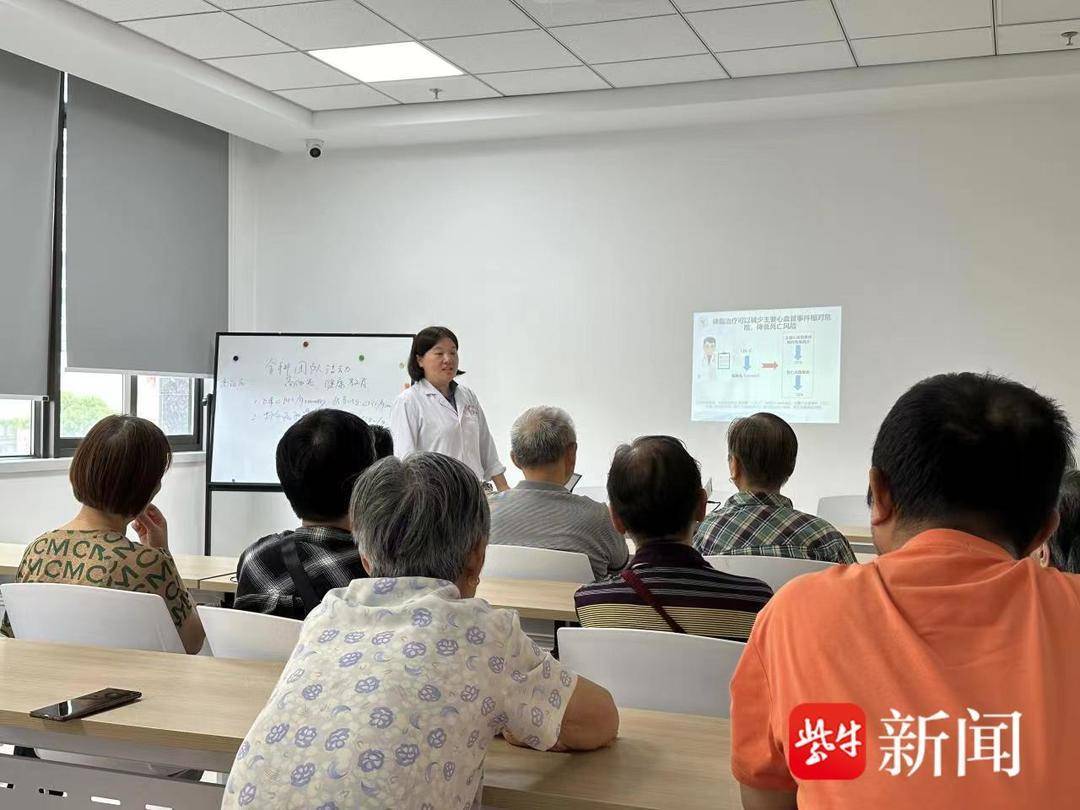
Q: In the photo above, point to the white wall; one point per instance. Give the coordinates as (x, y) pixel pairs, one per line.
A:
(570, 268)
(35, 502)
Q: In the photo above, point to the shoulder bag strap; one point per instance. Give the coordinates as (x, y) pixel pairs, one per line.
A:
(301, 580)
(634, 581)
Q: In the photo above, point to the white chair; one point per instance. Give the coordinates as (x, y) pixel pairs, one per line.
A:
(652, 669)
(773, 571)
(844, 510)
(232, 633)
(523, 562)
(96, 617)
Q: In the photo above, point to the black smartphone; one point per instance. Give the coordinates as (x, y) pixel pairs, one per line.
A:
(84, 705)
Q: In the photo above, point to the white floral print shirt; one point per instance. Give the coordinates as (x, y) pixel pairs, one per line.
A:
(390, 699)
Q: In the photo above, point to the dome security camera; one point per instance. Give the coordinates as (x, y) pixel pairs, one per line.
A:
(314, 148)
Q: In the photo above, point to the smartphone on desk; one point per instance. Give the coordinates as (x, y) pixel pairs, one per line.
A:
(84, 705)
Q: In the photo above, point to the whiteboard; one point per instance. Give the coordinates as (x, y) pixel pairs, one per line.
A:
(263, 383)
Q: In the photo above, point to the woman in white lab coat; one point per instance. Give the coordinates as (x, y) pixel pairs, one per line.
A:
(436, 414)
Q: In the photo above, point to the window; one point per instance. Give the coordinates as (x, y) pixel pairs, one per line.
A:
(16, 427)
(79, 399)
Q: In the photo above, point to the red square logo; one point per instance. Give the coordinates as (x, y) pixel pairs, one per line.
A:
(826, 741)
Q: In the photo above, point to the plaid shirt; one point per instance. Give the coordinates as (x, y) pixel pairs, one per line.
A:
(263, 585)
(766, 524)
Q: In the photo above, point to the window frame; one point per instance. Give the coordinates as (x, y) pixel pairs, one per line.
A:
(48, 443)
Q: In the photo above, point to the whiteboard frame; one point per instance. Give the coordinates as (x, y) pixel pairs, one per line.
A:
(238, 486)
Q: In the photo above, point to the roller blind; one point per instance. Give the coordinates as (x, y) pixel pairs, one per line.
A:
(29, 109)
(147, 236)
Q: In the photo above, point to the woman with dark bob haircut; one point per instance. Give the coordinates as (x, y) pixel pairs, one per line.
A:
(115, 475)
(437, 415)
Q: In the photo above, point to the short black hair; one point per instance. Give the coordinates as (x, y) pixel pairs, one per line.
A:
(422, 343)
(384, 441)
(319, 459)
(1065, 543)
(766, 447)
(654, 486)
(974, 452)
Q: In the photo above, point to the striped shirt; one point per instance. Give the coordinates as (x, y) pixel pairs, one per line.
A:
(328, 555)
(766, 525)
(542, 515)
(704, 601)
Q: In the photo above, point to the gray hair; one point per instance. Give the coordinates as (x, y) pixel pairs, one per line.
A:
(540, 436)
(420, 517)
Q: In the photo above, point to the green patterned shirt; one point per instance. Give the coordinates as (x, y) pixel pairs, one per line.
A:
(104, 559)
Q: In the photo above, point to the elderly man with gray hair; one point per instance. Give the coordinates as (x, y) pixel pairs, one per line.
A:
(539, 511)
(399, 682)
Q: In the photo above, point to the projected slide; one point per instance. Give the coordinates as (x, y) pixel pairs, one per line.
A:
(785, 361)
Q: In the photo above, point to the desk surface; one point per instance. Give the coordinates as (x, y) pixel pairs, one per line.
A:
(660, 760)
(193, 568)
(532, 599)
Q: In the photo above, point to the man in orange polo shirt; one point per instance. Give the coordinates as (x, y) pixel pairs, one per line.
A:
(941, 675)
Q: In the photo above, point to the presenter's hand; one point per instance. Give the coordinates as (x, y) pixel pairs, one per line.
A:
(152, 528)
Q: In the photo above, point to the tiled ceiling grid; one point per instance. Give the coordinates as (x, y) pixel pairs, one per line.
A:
(520, 47)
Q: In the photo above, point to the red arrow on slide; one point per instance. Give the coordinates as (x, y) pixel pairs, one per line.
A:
(770, 365)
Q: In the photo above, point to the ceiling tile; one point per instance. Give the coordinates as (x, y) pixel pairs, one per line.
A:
(206, 36)
(924, 47)
(706, 5)
(1036, 37)
(646, 38)
(337, 98)
(662, 71)
(549, 80)
(139, 9)
(739, 29)
(1011, 12)
(282, 71)
(562, 12)
(878, 18)
(789, 59)
(233, 4)
(329, 24)
(437, 18)
(452, 88)
(493, 53)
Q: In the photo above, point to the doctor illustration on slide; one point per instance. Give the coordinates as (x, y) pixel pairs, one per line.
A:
(437, 414)
(708, 363)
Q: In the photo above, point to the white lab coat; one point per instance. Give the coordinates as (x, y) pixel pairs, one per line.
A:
(423, 419)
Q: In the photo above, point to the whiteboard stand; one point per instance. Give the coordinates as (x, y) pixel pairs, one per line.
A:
(375, 362)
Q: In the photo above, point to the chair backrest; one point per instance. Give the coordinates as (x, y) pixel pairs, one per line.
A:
(652, 669)
(844, 510)
(86, 614)
(523, 562)
(254, 636)
(773, 571)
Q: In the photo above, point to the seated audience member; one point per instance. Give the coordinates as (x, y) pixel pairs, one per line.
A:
(758, 519)
(384, 441)
(1063, 549)
(956, 645)
(400, 682)
(540, 512)
(654, 489)
(318, 460)
(115, 474)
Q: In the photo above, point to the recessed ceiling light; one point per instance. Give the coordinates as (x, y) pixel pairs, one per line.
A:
(387, 63)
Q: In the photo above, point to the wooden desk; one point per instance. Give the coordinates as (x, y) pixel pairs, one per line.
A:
(197, 709)
(193, 568)
(532, 599)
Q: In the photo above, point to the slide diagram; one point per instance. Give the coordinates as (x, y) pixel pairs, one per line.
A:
(785, 361)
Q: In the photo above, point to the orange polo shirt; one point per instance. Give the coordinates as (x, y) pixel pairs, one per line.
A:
(947, 625)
